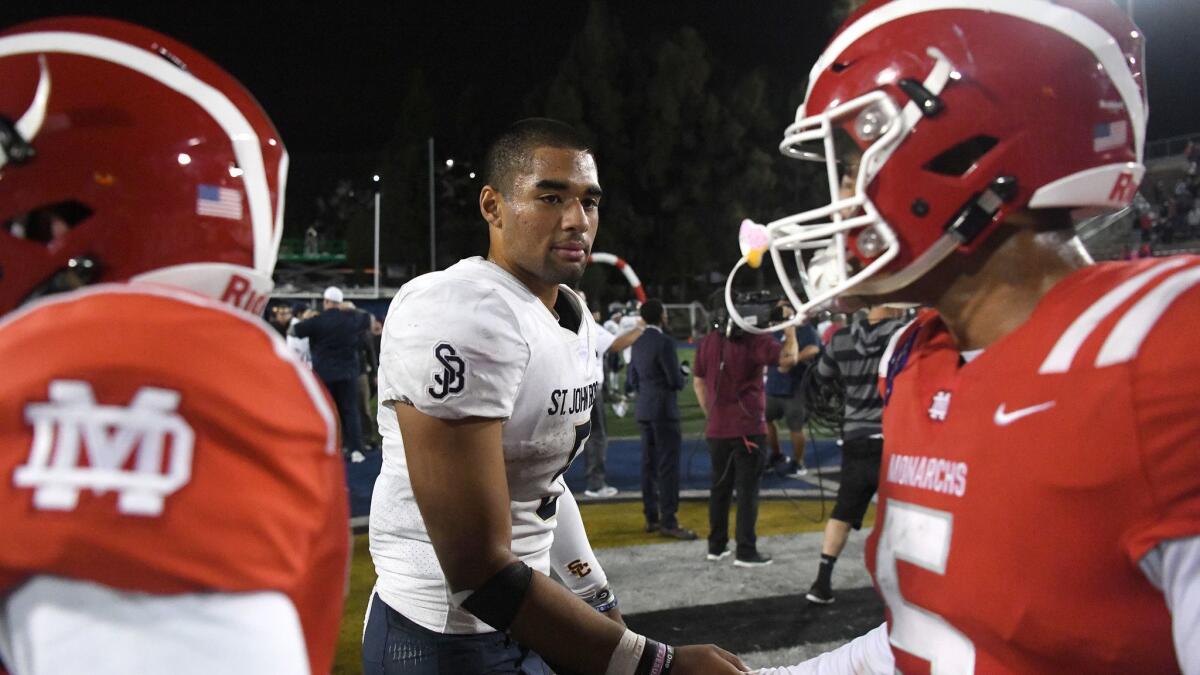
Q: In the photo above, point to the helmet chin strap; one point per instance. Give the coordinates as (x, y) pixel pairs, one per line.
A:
(963, 230)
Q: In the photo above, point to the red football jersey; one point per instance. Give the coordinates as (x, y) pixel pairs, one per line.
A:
(152, 440)
(1019, 491)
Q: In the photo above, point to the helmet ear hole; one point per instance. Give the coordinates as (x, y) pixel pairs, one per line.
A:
(49, 223)
(961, 158)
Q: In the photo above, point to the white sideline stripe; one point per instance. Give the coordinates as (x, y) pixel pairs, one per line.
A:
(1064, 20)
(307, 379)
(241, 134)
(1060, 357)
(1126, 339)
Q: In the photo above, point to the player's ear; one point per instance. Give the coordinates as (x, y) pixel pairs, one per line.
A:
(490, 204)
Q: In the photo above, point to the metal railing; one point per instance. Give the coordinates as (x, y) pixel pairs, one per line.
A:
(1165, 147)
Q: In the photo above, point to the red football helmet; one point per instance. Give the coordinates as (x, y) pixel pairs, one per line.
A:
(936, 119)
(126, 155)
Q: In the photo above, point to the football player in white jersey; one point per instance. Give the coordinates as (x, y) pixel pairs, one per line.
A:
(487, 379)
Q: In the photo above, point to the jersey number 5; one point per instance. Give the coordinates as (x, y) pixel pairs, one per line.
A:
(920, 536)
(549, 506)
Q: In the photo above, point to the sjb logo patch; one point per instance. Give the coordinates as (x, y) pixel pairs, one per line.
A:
(452, 377)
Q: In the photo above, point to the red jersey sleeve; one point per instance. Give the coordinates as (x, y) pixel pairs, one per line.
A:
(1166, 405)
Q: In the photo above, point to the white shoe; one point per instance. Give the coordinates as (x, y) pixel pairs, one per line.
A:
(619, 408)
(715, 557)
(606, 491)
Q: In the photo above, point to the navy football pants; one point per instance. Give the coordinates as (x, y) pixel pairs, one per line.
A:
(392, 644)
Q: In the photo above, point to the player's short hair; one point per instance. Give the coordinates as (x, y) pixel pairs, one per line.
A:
(512, 151)
(652, 312)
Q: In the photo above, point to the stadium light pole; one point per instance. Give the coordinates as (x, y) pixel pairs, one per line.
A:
(378, 189)
(432, 214)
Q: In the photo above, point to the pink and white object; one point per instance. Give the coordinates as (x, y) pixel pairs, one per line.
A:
(753, 241)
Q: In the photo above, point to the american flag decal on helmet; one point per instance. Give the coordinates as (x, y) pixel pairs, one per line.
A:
(218, 202)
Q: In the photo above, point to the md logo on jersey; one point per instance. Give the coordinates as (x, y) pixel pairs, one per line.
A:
(940, 406)
(452, 377)
(124, 448)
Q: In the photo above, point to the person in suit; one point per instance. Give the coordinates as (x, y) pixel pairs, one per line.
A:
(333, 336)
(655, 375)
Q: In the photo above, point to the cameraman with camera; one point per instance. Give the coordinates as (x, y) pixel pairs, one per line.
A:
(785, 399)
(728, 379)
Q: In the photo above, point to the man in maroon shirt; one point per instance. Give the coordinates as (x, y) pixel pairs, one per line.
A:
(728, 379)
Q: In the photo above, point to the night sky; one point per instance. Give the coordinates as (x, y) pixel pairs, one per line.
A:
(331, 75)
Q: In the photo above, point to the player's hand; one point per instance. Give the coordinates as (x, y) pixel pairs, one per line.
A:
(704, 659)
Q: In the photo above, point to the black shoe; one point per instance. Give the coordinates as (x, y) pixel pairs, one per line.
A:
(820, 593)
(678, 533)
(757, 559)
(717, 557)
(796, 472)
(652, 527)
(775, 466)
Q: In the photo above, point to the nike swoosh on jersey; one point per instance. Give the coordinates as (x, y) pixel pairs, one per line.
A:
(1004, 418)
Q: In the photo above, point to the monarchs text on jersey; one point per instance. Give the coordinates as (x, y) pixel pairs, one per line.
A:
(472, 341)
(157, 442)
(1020, 492)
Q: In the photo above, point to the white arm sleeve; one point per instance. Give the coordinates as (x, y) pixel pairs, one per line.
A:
(868, 654)
(571, 555)
(54, 625)
(604, 340)
(1174, 568)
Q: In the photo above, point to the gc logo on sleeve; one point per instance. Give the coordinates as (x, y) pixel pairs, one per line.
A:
(451, 379)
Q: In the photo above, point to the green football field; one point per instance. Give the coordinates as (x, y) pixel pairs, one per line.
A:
(690, 418)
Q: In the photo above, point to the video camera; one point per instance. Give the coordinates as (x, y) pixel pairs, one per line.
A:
(758, 308)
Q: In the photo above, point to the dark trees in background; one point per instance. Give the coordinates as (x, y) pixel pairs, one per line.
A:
(685, 142)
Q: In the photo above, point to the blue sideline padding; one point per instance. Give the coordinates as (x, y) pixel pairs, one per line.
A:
(623, 467)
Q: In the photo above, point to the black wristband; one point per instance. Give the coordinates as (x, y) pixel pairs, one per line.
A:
(657, 659)
(497, 601)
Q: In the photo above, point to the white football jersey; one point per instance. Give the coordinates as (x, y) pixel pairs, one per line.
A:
(473, 341)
